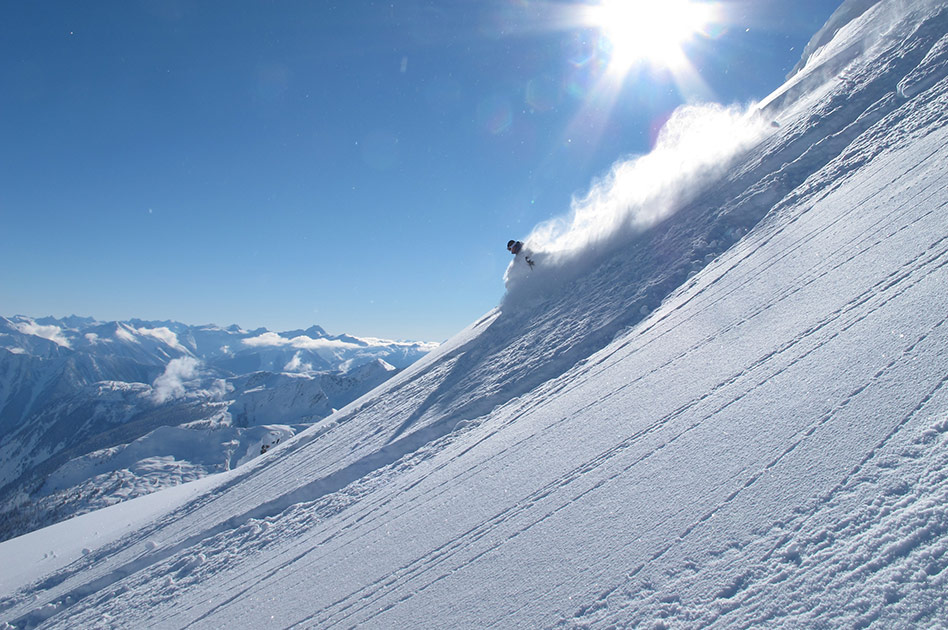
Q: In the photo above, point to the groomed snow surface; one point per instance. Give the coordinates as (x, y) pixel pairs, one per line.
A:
(736, 417)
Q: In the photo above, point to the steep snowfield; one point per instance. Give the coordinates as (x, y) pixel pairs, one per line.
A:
(737, 417)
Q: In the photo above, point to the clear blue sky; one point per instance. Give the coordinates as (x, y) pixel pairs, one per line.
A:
(354, 164)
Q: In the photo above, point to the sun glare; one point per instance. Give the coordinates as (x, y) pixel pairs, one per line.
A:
(647, 31)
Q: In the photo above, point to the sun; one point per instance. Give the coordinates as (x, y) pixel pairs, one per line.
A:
(647, 31)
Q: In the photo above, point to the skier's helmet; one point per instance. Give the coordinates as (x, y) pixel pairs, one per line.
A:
(510, 244)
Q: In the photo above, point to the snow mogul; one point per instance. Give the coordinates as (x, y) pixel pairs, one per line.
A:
(515, 247)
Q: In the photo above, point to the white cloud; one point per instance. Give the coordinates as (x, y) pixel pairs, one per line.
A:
(163, 334)
(52, 333)
(172, 384)
(383, 343)
(296, 364)
(219, 388)
(307, 343)
(271, 339)
(122, 333)
(266, 340)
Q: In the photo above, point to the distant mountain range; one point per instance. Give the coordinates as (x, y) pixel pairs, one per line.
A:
(93, 413)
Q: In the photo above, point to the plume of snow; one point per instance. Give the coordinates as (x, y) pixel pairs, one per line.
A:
(695, 145)
(172, 384)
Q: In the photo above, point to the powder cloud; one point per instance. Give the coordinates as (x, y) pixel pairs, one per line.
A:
(696, 145)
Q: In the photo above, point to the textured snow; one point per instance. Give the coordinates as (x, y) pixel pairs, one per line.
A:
(737, 419)
(848, 11)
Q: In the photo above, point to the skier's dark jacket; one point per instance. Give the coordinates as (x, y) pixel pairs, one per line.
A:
(514, 248)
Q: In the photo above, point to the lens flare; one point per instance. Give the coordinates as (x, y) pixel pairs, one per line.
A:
(648, 31)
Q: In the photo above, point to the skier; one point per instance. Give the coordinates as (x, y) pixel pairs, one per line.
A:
(514, 248)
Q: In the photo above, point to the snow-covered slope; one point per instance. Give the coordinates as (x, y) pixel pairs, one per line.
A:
(94, 413)
(735, 416)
